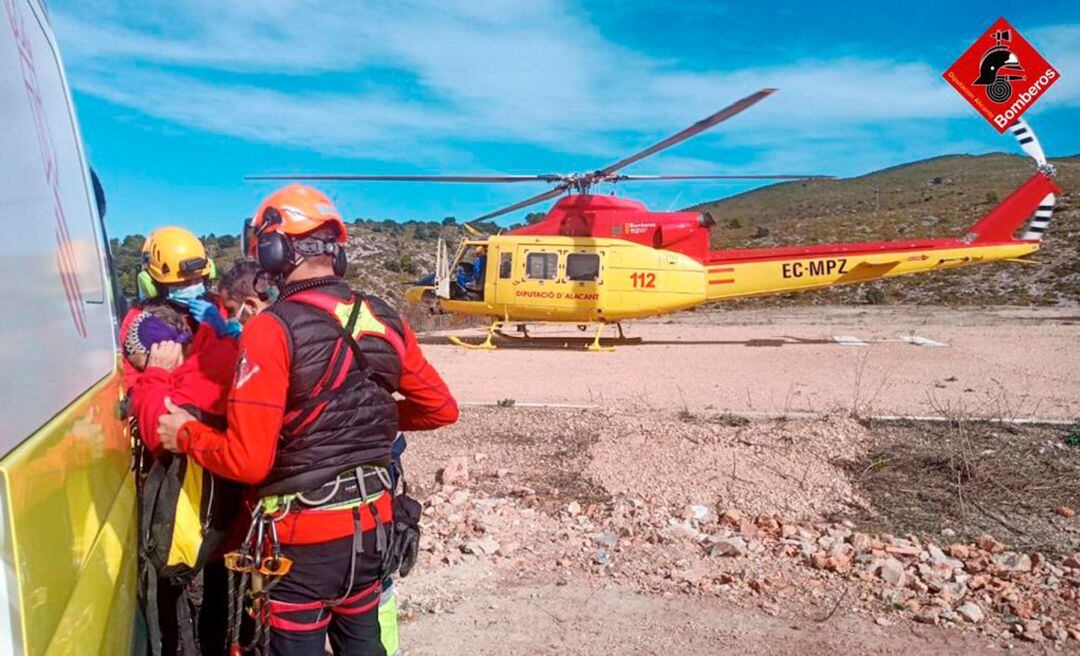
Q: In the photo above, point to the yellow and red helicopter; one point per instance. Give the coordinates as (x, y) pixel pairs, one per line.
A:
(599, 260)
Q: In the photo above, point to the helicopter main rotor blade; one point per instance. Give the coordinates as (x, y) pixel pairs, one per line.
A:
(638, 178)
(411, 178)
(702, 125)
(539, 198)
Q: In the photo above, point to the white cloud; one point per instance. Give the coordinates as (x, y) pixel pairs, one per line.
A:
(508, 72)
(1058, 43)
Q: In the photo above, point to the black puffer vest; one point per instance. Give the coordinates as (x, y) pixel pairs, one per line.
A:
(335, 420)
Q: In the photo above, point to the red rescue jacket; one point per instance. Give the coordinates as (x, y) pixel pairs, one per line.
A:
(257, 409)
(202, 380)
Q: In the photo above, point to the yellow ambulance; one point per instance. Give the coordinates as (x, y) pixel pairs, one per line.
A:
(67, 501)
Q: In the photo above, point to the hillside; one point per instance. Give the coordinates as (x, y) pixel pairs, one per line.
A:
(384, 256)
(937, 197)
(932, 198)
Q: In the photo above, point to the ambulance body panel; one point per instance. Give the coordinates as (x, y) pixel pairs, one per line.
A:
(67, 520)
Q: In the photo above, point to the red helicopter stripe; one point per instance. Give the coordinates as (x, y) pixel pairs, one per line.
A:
(721, 282)
(722, 270)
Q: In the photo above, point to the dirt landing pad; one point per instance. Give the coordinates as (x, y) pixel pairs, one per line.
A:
(997, 362)
(574, 620)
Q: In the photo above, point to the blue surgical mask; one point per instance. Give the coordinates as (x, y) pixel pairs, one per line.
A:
(185, 295)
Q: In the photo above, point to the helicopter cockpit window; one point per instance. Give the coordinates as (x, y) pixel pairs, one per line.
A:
(542, 266)
(506, 265)
(583, 267)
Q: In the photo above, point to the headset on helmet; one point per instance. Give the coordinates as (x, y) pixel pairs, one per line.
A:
(280, 234)
(278, 254)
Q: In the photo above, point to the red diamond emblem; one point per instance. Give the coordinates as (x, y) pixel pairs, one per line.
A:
(1001, 75)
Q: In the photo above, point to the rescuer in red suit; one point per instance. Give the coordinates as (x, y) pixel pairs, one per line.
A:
(311, 418)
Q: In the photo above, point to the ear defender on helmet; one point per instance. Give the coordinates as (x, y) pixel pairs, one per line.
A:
(341, 262)
(273, 251)
(291, 224)
(145, 285)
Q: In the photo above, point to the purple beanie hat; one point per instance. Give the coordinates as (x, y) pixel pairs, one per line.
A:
(147, 330)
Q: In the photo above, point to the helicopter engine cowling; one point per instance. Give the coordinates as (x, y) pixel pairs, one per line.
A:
(674, 232)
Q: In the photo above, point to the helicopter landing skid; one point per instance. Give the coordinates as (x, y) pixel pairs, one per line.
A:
(523, 339)
(486, 345)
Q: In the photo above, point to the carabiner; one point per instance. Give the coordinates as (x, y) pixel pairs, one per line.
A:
(276, 565)
(237, 561)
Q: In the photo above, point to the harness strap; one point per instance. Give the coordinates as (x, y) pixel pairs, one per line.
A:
(348, 489)
(361, 602)
(358, 603)
(380, 533)
(277, 608)
(282, 624)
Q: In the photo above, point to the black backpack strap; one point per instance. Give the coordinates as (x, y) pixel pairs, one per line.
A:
(186, 624)
(147, 568)
(153, 619)
(217, 422)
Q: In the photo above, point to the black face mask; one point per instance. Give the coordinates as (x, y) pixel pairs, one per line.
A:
(266, 287)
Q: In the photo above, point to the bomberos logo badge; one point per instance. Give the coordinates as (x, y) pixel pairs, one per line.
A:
(1001, 75)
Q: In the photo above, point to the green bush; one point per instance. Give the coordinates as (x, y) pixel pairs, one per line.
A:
(400, 264)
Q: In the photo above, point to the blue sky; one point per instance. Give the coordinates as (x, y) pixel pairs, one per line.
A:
(178, 101)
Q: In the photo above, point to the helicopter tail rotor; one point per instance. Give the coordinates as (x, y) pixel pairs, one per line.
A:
(1029, 143)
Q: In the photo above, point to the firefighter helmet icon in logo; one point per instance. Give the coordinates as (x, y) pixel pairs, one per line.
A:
(1001, 75)
(999, 68)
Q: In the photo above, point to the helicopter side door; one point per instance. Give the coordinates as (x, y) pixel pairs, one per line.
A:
(536, 286)
(552, 282)
(584, 270)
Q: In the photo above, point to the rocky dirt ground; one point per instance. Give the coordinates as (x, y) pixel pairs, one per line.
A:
(638, 528)
(572, 531)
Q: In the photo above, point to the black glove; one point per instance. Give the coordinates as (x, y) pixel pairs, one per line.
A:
(405, 543)
(406, 548)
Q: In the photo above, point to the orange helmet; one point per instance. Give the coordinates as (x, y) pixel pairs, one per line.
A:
(294, 211)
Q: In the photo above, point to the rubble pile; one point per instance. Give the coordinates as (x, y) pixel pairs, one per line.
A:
(767, 560)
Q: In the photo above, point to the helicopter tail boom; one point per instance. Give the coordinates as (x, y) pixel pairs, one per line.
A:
(1034, 199)
(755, 272)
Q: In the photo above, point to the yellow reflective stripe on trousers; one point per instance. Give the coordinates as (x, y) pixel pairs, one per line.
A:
(388, 620)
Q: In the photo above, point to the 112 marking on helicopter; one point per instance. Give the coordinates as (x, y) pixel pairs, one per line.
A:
(599, 260)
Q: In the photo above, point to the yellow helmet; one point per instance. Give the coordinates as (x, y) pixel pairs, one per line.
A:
(174, 255)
